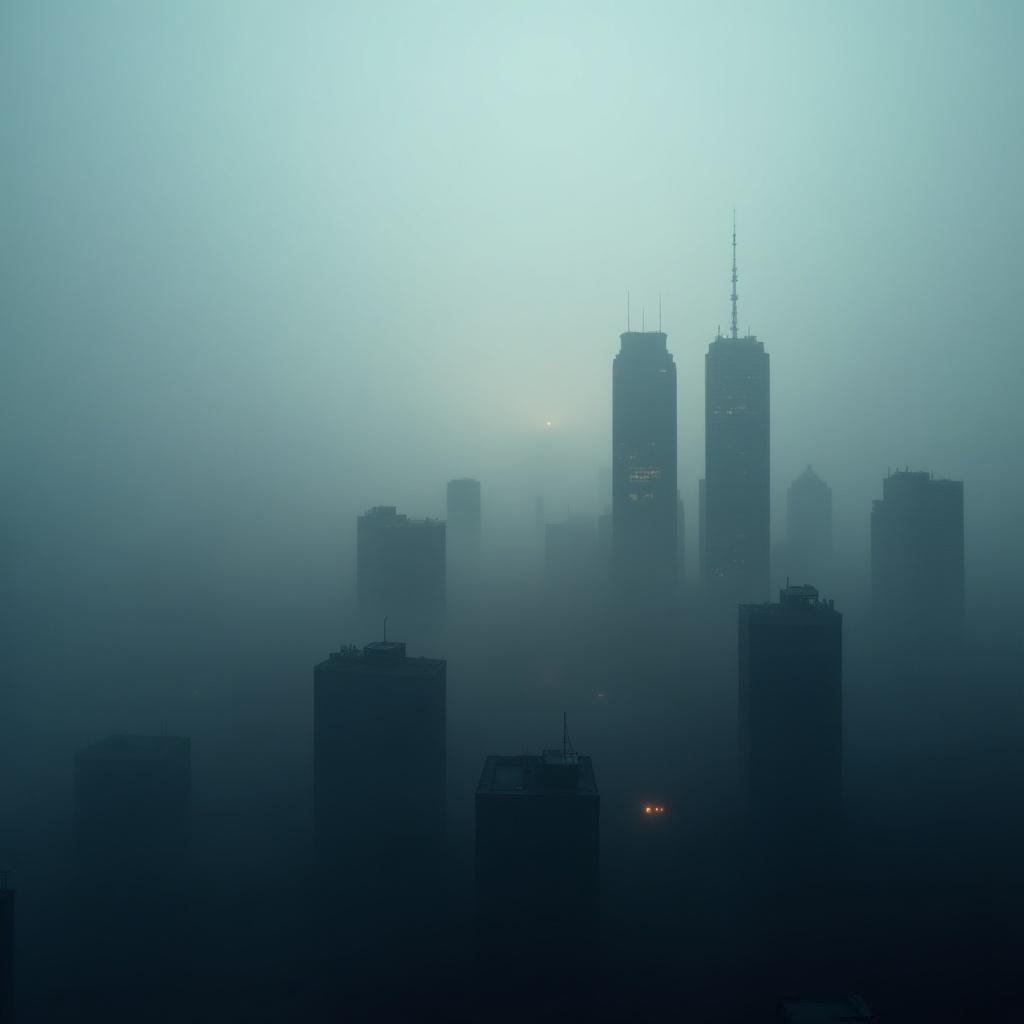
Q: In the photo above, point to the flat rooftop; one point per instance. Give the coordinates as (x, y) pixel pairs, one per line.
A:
(537, 775)
(384, 656)
(795, 600)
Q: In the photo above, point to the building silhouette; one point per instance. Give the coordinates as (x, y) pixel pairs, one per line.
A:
(791, 725)
(379, 769)
(917, 553)
(808, 526)
(537, 862)
(133, 810)
(401, 574)
(464, 519)
(644, 495)
(737, 489)
(6, 951)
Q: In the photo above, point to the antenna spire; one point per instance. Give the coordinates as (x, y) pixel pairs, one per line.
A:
(385, 629)
(659, 312)
(735, 276)
(627, 310)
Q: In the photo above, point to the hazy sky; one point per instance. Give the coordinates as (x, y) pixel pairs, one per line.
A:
(314, 256)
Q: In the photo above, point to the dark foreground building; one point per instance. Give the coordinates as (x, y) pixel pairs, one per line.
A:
(644, 496)
(917, 554)
(401, 575)
(379, 768)
(791, 726)
(537, 865)
(737, 484)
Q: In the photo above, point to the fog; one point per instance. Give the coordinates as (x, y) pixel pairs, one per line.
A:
(264, 266)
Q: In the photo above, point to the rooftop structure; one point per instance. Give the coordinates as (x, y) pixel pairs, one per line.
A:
(736, 496)
(537, 855)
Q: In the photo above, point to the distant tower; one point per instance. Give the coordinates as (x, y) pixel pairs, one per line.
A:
(537, 861)
(791, 725)
(133, 810)
(808, 525)
(737, 463)
(401, 573)
(644, 492)
(379, 769)
(464, 521)
(917, 553)
(6, 951)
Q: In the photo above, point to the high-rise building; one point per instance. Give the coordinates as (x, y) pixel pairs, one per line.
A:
(644, 495)
(808, 526)
(6, 951)
(401, 574)
(537, 858)
(917, 552)
(464, 521)
(791, 724)
(133, 808)
(737, 499)
(379, 768)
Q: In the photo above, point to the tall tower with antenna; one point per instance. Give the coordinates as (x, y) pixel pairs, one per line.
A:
(737, 486)
(735, 279)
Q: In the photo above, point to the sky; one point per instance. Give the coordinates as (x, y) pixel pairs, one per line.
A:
(264, 265)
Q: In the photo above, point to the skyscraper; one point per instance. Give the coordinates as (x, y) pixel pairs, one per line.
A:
(808, 526)
(791, 724)
(917, 552)
(537, 857)
(737, 463)
(379, 768)
(644, 495)
(401, 574)
(464, 520)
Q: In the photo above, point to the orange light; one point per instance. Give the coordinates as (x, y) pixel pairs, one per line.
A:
(648, 810)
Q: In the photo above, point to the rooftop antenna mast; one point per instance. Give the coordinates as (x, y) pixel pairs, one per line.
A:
(627, 310)
(659, 312)
(385, 629)
(735, 277)
(567, 750)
